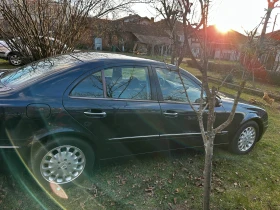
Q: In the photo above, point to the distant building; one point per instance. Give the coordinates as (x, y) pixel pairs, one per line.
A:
(223, 45)
(138, 34)
(273, 55)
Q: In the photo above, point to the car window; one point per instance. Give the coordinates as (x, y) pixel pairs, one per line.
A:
(120, 82)
(172, 88)
(38, 69)
(3, 44)
(127, 83)
(90, 87)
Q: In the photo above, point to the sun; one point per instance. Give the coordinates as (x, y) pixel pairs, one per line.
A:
(223, 27)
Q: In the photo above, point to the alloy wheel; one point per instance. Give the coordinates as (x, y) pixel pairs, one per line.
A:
(15, 60)
(246, 139)
(63, 164)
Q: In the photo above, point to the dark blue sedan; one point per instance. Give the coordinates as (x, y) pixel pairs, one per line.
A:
(64, 113)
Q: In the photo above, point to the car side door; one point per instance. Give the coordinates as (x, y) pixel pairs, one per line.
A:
(117, 105)
(180, 123)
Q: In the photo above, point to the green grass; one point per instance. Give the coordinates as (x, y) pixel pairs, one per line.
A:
(167, 182)
(264, 87)
(5, 65)
(163, 182)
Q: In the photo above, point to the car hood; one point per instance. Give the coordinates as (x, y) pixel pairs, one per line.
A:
(227, 103)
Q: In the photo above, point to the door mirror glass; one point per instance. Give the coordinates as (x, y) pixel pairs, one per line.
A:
(218, 102)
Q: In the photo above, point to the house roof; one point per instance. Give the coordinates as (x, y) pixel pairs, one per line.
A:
(149, 34)
(133, 19)
(178, 26)
(229, 37)
(153, 40)
(129, 17)
(274, 35)
(149, 30)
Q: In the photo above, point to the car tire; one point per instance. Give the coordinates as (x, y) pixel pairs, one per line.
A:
(245, 138)
(63, 161)
(15, 59)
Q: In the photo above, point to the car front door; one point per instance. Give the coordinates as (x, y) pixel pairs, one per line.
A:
(116, 104)
(180, 123)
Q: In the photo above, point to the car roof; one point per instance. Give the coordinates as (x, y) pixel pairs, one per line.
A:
(79, 62)
(86, 57)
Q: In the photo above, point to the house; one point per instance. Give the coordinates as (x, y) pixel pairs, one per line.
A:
(274, 53)
(141, 35)
(138, 34)
(136, 19)
(146, 38)
(221, 45)
(177, 28)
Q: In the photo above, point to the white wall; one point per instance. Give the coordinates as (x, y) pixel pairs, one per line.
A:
(277, 60)
(231, 55)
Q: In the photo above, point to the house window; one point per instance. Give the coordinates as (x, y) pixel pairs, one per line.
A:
(226, 56)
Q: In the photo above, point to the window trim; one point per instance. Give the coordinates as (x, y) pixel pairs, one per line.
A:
(115, 99)
(81, 79)
(183, 73)
(153, 96)
(104, 83)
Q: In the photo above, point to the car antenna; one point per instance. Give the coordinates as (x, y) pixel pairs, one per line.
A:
(75, 57)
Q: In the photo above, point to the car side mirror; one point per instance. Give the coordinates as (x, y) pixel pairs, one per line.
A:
(218, 101)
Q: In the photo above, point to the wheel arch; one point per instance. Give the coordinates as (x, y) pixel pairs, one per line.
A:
(13, 53)
(259, 123)
(51, 136)
(261, 127)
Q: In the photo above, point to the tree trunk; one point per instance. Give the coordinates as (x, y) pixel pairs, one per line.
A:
(172, 55)
(270, 7)
(265, 26)
(153, 50)
(207, 172)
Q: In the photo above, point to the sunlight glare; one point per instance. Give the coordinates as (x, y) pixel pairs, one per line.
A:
(223, 27)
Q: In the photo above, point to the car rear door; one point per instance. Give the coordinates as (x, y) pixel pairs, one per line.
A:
(118, 106)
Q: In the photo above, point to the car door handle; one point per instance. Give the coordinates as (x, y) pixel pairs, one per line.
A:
(95, 114)
(170, 114)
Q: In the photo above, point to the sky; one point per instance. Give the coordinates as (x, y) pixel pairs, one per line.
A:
(239, 15)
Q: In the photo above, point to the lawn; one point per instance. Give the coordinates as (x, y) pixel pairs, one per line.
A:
(257, 85)
(5, 64)
(165, 181)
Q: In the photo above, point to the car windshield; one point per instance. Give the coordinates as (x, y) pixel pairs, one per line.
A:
(36, 70)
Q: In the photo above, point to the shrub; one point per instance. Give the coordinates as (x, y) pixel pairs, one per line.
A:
(191, 64)
(273, 77)
(228, 78)
(220, 67)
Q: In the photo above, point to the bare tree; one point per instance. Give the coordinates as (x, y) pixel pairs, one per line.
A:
(168, 9)
(30, 24)
(184, 10)
(271, 4)
(248, 60)
(174, 18)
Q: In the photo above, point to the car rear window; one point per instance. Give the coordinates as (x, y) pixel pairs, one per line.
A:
(3, 43)
(37, 70)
